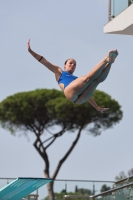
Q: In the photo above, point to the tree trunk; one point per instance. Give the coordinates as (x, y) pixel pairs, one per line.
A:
(50, 191)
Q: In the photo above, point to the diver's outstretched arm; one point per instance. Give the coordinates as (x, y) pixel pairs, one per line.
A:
(94, 104)
(55, 69)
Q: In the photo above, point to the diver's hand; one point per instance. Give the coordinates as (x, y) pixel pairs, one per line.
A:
(102, 110)
(28, 45)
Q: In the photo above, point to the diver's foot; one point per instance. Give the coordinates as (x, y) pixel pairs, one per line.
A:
(111, 56)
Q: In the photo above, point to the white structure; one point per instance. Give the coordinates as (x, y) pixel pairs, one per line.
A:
(120, 22)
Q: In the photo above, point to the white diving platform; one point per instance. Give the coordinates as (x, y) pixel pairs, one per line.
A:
(122, 23)
(21, 187)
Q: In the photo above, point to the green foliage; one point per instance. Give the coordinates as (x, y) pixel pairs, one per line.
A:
(130, 172)
(83, 191)
(58, 196)
(121, 176)
(39, 109)
(80, 192)
(105, 188)
(27, 109)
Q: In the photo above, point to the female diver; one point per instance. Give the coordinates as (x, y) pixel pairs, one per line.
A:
(79, 89)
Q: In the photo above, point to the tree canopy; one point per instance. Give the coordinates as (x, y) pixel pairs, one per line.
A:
(38, 110)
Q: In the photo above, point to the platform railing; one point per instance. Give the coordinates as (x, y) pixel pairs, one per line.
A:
(66, 187)
(122, 190)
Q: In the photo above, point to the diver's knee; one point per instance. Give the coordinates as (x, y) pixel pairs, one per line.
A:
(86, 79)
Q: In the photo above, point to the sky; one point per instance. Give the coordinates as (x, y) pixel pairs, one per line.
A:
(59, 30)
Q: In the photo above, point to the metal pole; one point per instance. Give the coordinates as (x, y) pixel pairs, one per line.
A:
(37, 192)
(66, 188)
(109, 11)
(93, 189)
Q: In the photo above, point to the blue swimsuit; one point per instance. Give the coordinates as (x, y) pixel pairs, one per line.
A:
(66, 78)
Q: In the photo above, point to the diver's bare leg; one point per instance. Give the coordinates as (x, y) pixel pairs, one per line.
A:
(91, 88)
(76, 87)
